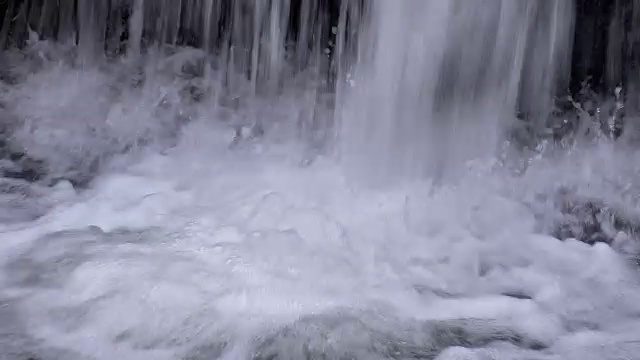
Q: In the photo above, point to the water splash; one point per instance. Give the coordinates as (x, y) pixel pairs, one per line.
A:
(190, 243)
(437, 82)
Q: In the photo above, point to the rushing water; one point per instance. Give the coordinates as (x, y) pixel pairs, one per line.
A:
(439, 80)
(215, 202)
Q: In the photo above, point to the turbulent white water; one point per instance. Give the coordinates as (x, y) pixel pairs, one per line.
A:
(182, 211)
(186, 247)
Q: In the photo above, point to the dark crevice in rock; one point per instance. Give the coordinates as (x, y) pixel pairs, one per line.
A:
(517, 295)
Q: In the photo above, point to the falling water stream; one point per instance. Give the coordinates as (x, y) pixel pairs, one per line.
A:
(304, 179)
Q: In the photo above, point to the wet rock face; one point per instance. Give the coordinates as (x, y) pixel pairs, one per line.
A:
(20, 166)
(582, 220)
(14, 163)
(17, 164)
(593, 220)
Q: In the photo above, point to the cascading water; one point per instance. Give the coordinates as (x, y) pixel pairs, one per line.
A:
(191, 179)
(438, 81)
(623, 51)
(434, 89)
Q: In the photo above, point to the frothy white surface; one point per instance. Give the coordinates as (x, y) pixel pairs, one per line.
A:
(203, 243)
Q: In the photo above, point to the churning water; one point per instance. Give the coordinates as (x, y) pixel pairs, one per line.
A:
(337, 194)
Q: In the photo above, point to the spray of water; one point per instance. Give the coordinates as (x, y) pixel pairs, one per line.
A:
(209, 216)
(424, 103)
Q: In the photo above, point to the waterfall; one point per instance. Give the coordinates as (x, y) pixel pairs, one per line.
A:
(421, 86)
(437, 81)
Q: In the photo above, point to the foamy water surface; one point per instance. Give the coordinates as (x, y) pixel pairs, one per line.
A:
(186, 247)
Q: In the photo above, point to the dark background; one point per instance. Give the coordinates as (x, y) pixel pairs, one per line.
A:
(605, 52)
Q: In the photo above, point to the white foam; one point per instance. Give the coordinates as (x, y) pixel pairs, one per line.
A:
(222, 242)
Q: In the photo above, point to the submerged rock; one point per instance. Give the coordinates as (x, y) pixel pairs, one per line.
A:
(24, 168)
(590, 220)
(207, 352)
(20, 201)
(366, 336)
(15, 163)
